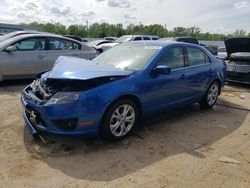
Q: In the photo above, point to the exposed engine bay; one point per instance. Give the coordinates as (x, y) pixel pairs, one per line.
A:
(41, 90)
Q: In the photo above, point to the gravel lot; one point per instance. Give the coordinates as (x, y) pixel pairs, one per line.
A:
(181, 148)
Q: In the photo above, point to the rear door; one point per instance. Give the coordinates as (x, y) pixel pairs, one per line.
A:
(30, 58)
(62, 47)
(200, 71)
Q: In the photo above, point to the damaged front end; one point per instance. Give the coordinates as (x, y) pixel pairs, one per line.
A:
(52, 105)
(41, 90)
(55, 101)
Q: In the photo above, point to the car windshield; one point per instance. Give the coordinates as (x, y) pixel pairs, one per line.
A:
(123, 39)
(132, 57)
(222, 50)
(5, 43)
(6, 36)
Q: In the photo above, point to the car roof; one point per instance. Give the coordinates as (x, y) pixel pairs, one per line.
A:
(140, 36)
(100, 40)
(25, 31)
(164, 43)
(24, 36)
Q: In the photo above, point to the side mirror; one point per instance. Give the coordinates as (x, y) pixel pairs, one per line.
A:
(10, 49)
(162, 69)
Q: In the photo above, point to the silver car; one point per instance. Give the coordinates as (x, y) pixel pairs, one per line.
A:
(24, 56)
(17, 33)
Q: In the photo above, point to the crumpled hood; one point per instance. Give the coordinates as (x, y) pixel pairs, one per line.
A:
(234, 45)
(81, 69)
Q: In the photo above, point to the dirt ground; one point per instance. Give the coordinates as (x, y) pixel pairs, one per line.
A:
(181, 148)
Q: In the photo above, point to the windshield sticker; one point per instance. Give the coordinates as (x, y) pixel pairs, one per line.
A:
(152, 47)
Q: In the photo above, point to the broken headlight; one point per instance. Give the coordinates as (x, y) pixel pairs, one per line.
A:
(63, 98)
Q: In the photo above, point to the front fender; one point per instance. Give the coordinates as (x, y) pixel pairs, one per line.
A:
(97, 100)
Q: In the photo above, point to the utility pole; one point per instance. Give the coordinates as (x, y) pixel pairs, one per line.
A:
(87, 25)
(140, 25)
(165, 30)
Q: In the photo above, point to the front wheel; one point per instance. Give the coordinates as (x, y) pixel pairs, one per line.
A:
(211, 95)
(119, 120)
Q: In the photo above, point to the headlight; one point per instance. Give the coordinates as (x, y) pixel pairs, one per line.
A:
(64, 98)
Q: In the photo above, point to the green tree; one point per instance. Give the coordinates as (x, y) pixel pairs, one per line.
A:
(60, 29)
(97, 30)
(180, 31)
(239, 33)
(49, 27)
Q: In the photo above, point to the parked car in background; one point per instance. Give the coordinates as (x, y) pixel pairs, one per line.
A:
(85, 40)
(222, 53)
(192, 40)
(212, 48)
(238, 60)
(98, 45)
(74, 37)
(110, 94)
(17, 33)
(111, 38)
(127, 38)
(26, 55)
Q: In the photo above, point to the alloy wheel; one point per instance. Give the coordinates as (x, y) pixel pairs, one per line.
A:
(122, 120)
(212, 94)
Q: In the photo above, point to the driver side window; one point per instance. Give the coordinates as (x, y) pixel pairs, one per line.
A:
(30, 44)
(174, 58)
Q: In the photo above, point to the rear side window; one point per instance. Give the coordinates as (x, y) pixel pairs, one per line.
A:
(31, 44)
(137, 38)
(188, 40)
(155, 38)
(146, 38)
(196, 57)
(62, 44)
(173, 58)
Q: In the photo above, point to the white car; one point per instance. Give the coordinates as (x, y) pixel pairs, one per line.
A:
(126, 38)
(222, 53)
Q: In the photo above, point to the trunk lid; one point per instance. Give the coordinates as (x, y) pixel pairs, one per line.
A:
(235, 45)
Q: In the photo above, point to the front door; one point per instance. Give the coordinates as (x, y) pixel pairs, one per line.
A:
(28, 59)
(167, 90)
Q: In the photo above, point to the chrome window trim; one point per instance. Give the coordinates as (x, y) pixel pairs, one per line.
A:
(194, 66)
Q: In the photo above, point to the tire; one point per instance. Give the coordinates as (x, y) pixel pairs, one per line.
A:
(211, 96)
(99, 51)
(117, 124)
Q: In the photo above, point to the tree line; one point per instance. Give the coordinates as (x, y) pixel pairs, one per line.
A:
(100, 30)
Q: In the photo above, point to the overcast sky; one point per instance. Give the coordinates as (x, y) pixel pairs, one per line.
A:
(216, 16)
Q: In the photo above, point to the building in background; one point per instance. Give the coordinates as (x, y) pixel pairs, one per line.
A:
(7, 28)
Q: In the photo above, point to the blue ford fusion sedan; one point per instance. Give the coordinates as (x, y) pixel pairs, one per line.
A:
(110, 94)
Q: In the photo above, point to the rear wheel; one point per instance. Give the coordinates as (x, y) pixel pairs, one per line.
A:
(211, 95)
(119, 120)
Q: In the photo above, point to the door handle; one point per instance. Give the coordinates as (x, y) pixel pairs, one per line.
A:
(75, 54)
(210, 70)
(41, 57)
(183, 76)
